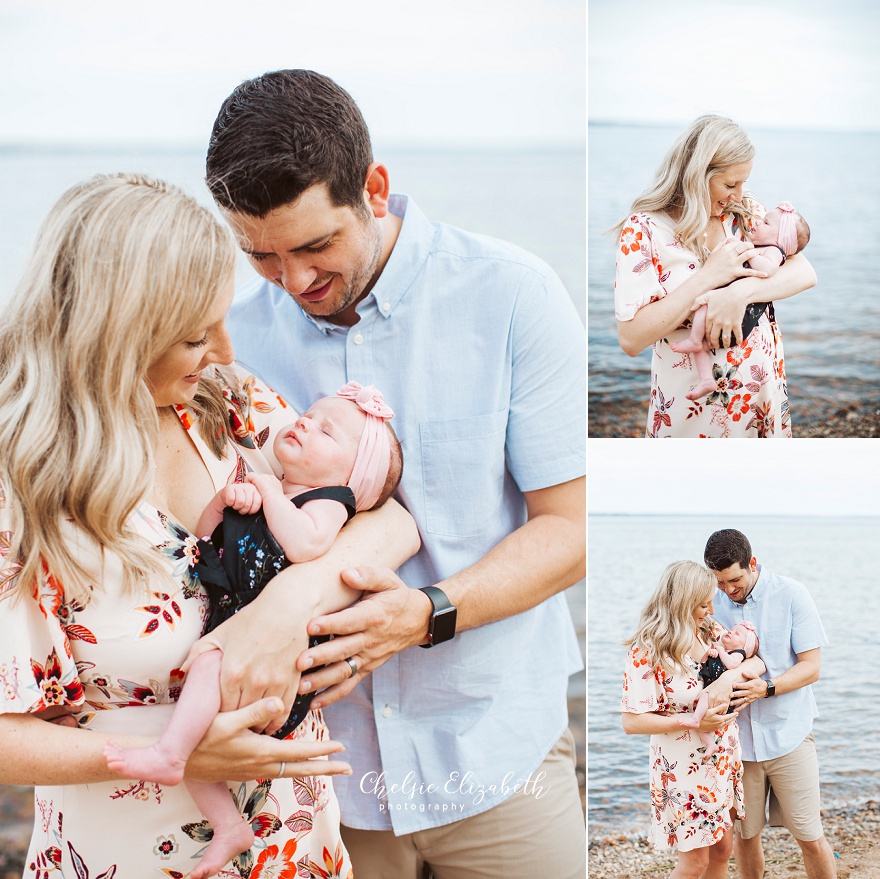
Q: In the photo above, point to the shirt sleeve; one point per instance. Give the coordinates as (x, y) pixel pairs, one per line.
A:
(545, 442)
(639, 271)
(643, 689)
(807, 632)
(37, 670)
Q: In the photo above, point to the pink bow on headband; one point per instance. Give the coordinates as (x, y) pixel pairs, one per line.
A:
(368, 398)
(374, 449)
(787, 237)
(751, 640)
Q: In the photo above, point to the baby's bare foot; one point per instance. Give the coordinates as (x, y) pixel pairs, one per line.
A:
(228, 841)
(687, 346)
(145, 764)
(701, 389)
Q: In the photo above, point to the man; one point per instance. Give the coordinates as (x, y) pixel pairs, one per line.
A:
(779, 755)
(461, 753)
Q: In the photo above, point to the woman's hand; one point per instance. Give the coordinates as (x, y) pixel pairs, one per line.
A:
(725, 310)
(260, 647)
(725, 263)
(715, 718)
(231, 751)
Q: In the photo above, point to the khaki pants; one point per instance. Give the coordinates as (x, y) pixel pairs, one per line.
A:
(521, 838)
(790, 785)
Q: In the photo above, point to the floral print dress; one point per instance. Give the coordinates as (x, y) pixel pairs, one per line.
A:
(692, 793)
(115, 662)
(750, 397)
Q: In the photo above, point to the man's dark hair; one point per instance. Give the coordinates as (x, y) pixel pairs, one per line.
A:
(279, 134)
(726, 548)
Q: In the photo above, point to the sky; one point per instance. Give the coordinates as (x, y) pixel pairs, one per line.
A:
(499, 71)
(808, 64)
(804, 477)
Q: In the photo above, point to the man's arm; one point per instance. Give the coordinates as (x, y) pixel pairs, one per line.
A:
(803, 673)
(542, 557)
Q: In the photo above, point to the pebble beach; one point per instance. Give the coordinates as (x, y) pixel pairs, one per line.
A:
(624, 418)
(853, 833)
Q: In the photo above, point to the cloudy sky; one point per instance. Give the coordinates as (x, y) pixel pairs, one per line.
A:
(499, 71)
(788, 63)
(805, 477)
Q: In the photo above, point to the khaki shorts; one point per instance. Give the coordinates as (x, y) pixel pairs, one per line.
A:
(521, 838)
(790, 785)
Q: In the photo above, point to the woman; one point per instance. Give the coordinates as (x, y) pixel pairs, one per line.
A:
(684, 239)
(117, 427)
(695, 790)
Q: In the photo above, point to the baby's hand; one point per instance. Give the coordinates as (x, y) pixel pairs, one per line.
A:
(713, 651)
(265, 484)
(242, 497)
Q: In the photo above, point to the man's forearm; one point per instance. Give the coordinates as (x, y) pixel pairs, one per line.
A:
(543, 557)
(801, 674)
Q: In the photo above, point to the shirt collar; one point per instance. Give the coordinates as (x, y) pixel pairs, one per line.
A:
(410, 252)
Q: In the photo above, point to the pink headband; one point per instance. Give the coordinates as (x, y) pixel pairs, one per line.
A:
(750, 642)
(787, 238)
(374, 450)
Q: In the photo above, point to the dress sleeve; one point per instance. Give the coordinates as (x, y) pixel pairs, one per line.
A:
(639, 272)
(37, 670)
(256, 415)
(643, 686)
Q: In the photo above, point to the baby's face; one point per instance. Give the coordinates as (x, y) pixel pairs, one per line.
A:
(735, 638)
(766, 231)
(320, 447)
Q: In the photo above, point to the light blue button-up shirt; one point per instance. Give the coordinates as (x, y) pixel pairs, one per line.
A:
(787, 623)
(477, 347)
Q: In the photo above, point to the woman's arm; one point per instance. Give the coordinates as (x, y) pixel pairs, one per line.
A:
(261, 643)
(656, 320)
(727, 306)
(650, 723)
(36, 752)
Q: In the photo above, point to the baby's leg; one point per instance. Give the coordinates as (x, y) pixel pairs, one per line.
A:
(692, 721)
(232, 834)
(707, 382)
(165, 761)
(695, 341)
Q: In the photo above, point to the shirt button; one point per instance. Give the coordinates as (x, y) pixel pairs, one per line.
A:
(386, 307)
(358, 339)
(386, 711)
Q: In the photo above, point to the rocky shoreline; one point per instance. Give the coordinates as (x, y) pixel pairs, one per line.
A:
(626, 418)
(853, 832)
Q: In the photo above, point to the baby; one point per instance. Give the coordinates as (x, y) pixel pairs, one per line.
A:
(781, 233)
(735, 645)
(338, 458)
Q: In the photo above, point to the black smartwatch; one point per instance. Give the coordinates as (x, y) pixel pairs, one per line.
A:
(771, 690)
(441, 626)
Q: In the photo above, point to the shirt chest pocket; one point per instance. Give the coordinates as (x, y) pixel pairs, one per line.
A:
(463, 472)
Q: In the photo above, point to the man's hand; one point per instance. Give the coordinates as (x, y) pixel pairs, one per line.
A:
(753, 687)
(389, 618)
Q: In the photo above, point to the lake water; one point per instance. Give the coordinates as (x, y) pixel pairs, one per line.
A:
(627, 554)
(534, 198)
(832, 332)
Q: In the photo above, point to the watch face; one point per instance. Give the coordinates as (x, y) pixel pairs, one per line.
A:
(443, 626)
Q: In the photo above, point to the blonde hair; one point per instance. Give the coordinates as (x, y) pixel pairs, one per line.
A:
(708, 147)
(666, 627)
(124, 268)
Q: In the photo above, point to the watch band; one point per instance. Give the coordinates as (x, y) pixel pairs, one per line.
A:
(441, 626)
(771, 690)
